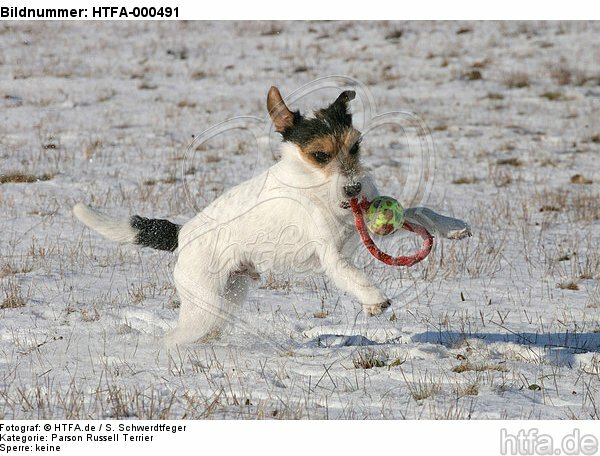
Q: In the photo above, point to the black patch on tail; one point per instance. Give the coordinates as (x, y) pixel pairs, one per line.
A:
(156, 233)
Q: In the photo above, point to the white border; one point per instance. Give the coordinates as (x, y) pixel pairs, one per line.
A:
(447, 438)
(349, 9)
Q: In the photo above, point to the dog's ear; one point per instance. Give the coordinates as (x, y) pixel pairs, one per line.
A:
(341, 102)
(338, 110)
(280, 114)
(345, 97)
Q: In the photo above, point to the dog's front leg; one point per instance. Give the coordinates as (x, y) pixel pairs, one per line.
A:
(347, 277)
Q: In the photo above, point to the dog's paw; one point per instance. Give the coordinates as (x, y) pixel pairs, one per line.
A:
(376, 309)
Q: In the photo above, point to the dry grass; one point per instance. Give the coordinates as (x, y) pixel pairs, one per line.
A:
(495, 96)
(424, 391)
(593, 300)
(472, 75)
(91, 148)
(550, 200)
(90, 315)
(561, 75)
(513, 161)
(199, 74)
(505, 273)
(17, 177)
(590, 265)
(553, 96)
(276, 283)
(584, 206)
(109, 397)
(550, 208)
(467, 366)
(187, 104)
(580, 180)
(368, 360)
(424, 388)
(170, 179)
(465, 180)
(516, 80)
(394, 35)
(500, 175)
(10, 270)
(273, 30)
(108, 401)
(469, 390)
(147, 85)
(212, 158)
(13, 298)
(568, 285)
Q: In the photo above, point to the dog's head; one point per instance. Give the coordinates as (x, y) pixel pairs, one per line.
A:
(325, 142)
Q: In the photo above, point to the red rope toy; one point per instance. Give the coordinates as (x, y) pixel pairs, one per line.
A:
(359, 221)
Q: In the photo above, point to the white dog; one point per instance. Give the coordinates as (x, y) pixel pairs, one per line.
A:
(293, 217)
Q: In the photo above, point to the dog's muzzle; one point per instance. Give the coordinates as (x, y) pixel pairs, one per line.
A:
(353, 189)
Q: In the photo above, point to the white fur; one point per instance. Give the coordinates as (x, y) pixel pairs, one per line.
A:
(287, 219)
(113, 228)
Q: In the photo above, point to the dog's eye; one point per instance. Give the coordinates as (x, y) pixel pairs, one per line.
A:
(355, 149)
(321, 157)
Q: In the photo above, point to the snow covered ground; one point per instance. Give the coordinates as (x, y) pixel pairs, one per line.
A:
(505, 324)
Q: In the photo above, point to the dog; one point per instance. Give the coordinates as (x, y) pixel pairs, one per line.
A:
(293, 217)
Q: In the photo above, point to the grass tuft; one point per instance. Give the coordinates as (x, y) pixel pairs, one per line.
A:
(367, 360)
(472, 75)
(517, 80)
(18, 177)
(553, 96)
(513, 161)
(465, 180)
(568, 285)
(579, 179)
(12, 297)
(394, 35)
(470, 390)
(467, 366)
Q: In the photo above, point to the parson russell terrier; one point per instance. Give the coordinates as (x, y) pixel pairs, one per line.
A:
(293, 217)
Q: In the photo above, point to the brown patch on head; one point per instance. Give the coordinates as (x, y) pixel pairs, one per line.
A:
(334, 153)
(280, 114)
(327, 140)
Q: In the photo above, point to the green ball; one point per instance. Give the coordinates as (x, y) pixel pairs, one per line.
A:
(384, 215)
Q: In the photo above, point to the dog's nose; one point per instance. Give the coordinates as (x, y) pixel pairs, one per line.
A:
(352, 189)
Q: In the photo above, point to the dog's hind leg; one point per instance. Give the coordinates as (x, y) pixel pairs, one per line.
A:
(201, 311)
(238, 283)
(236, 291)
(208, 304)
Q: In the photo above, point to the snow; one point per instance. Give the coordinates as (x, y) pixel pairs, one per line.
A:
(487, 327)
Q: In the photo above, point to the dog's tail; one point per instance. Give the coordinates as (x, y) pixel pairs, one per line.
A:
(156, 233)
